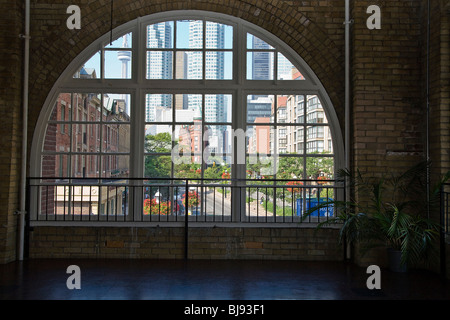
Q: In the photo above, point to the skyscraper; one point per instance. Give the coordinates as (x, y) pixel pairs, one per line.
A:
(262, 61)
(215, 110)
(159, 64)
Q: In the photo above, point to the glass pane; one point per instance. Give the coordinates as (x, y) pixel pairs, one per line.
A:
(158, 139)
(125, 41)
(190, 34)
(157, 166)
(194, 65)
(286, 70)
(116, 138)
(56, 165)
(188, 107)
(318, 140)
(90, 69)
(259, 108)
(160, 35)
(86, 107)
(218, 36)
(219, 65)
(116, 107)
(84, 166)
(158, 108)
(294, 112)
(85, 138)
(256, 43)
(218, 108)
(260, 65)
(314, 110)
(188, 139)
(281, 136)
(319, 166)
(115, 166)
(217, 141)
(281, 109)
(295, 141)
(260, 139)
(159, 65)
(188, 169)
(218, 167)
(118, 64)
(57, 138)
(290, 168)
(62, 109)
(261, 167)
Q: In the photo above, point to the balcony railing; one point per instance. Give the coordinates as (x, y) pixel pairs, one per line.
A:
(159, 200)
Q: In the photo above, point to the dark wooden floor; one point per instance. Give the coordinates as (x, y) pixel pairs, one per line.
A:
(212, 280)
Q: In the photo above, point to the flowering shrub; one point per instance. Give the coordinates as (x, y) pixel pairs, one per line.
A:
(193, 199)
(322, 180)
(151, 206)
(294, 183)
(225, 175)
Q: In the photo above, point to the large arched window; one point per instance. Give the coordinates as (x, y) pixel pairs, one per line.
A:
(185, 95)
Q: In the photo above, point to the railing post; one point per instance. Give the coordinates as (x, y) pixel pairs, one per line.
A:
(186, 221)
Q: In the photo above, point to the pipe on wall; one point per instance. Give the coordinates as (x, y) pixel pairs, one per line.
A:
(23, 184)
(347, 83)
(347, 24)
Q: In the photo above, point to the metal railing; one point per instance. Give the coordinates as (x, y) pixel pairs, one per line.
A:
(165, 200)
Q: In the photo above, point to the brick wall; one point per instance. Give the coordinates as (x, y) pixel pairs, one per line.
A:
(439, 97)
(387, 97)
(10, 129)
(168, 243)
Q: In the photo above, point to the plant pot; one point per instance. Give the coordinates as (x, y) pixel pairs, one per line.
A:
(395, 263)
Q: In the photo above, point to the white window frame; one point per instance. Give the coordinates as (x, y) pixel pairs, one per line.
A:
(138, 86)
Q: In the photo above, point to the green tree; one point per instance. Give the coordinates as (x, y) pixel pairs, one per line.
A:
(158, 143)
(158, 166)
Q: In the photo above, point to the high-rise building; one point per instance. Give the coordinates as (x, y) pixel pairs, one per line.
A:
(215, 110)
(159, 64)
(262, 64)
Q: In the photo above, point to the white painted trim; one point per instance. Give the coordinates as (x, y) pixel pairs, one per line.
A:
(138, 85)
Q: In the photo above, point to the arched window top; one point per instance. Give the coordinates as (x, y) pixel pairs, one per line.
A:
(197, 46)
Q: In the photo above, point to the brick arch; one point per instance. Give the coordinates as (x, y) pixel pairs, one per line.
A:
(54, 49)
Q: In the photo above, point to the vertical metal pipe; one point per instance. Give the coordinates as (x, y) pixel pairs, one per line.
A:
(26, 63)
(347, 84)
(428, 110)
(347, 97)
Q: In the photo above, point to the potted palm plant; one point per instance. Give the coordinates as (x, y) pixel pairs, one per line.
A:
(391, 212)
